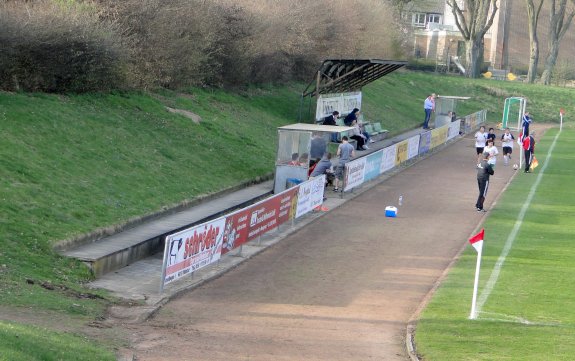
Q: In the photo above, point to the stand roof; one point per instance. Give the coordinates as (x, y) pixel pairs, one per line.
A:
(348, 75)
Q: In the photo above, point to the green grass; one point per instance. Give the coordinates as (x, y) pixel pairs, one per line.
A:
(73, 164)
(527, 315)
(29, 343)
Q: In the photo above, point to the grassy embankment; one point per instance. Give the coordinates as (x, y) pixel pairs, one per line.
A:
(71, 164)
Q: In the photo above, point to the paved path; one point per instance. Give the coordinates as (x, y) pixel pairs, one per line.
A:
(342, 288)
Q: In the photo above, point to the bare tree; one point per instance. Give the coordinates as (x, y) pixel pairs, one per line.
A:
(473, 19)
(533, 19)
(559, 21)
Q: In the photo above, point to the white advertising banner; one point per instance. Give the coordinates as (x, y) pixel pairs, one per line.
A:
(388, 158)
(453, 130)
(413, 147)
(310, 195)
(342, 102)
(192, 249)
(354, 173)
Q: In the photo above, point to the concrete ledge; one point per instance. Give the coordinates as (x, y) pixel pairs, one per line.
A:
(101, 233)
(123, 248)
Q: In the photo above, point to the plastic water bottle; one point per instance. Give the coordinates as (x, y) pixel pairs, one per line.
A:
(400, 202)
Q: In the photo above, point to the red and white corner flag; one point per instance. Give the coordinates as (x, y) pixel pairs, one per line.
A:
(477, 241)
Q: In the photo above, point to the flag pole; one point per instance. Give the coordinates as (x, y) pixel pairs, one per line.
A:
(473, 314)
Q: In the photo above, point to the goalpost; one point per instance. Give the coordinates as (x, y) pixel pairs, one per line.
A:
(514, 106)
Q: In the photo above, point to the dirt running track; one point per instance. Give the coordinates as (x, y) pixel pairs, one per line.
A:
(342, 288)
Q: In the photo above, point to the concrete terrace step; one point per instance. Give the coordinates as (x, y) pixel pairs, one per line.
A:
(119, 250)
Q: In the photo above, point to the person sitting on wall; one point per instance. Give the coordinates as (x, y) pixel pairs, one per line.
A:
(348, 120)
(331, 119)
(303, 159)
(359, 137)
(366, 135)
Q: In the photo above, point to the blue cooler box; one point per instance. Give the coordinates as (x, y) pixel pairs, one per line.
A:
(391, 211)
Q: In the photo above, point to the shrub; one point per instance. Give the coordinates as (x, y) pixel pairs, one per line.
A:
(53, 48)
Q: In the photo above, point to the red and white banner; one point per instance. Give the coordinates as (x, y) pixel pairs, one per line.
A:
(477, 241)
(236, 230)
(192, 249)
(251, 222)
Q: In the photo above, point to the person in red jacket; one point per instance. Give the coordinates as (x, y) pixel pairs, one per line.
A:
(529, 150)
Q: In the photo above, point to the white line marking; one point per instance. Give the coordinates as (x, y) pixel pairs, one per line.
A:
(511, 238)
(500, 317)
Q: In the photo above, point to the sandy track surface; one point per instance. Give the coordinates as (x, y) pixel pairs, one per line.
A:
(342, 288)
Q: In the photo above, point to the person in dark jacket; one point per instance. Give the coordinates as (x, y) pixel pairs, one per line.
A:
(348, 120)
(330, 119)
(525, 124)
(484, 170)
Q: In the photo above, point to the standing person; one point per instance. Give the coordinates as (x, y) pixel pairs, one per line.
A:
(345, 152)
(429, 107)
(493, 152)
(507, 143)
(491, 135)
(525, 125)
(529, 150)
(484, 170)
(480, 141)
(317, 148)
(348, 120)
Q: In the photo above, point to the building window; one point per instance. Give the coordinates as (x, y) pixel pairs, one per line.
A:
(418, 19)
(434, 18)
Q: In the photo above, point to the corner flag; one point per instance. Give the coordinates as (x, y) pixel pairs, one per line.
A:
(477, 241)
(534, 163)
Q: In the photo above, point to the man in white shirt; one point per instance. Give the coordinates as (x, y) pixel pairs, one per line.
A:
(429, 107)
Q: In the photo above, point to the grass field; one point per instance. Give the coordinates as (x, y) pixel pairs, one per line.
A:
(73, 164)
(525, 309)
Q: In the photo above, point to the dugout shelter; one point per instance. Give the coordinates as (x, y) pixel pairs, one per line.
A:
(444, 106)
(337, 86)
